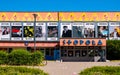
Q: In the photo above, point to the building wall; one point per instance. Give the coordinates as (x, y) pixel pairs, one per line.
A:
(60, 16)
(49, 21)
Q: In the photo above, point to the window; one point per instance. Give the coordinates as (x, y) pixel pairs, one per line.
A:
(91, 53)
(52, 51)
(77, 53)
(63, 53)
(47, 52)
(70, 53)
(84, 53)
(97, 52)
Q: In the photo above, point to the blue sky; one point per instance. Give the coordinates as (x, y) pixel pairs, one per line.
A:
(59, 5)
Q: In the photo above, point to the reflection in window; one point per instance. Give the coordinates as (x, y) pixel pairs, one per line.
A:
(70, 53)
(97, 53)
(63, 53)
(91, 53)
(84, 52)
(77, 53)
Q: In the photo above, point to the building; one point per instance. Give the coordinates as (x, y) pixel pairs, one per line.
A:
(70, 36)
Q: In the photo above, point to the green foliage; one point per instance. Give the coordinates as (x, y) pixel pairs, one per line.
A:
(103, 70)
(113, 49)
(20, 71)
(37, 57)
(3, 57)
(21, 57)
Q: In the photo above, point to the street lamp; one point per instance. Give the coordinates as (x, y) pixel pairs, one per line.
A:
(35, 16)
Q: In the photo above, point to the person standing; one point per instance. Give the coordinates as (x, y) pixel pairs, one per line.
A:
(66, 32)
(5, 31)
(86, 32)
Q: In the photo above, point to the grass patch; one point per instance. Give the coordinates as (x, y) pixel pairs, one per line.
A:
(101, 70)
(115, 60)
(21, 71)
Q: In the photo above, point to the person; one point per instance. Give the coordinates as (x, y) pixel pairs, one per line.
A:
(118, 30)
(39, 32)
(5, 31)
(115, 34)
(52, 32)
(55, 32)
(66, 32)
(86, 32)
(91, 33)
(79, 31)
(100, 31)
(103, 32)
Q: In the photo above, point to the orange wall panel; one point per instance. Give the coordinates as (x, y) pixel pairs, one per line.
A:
(72, 40)
(27, 16)
(63, 16)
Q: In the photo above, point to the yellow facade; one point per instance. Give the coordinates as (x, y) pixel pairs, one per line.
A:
(62, 16)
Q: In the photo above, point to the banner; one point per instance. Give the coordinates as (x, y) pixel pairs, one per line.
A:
(66, 30)
(78, 29)
(114, 30)
(40, 31)
(102, 30)
(4, 31)
(16, 31)
(28, 31)
(52, 28)
(89, 30)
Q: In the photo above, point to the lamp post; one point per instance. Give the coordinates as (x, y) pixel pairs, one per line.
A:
(35, 16)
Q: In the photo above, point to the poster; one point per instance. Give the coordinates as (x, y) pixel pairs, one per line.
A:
(77, 28)
(114, 30)
(102, 30)
(16, 31)
(28, 31)
(52, 28)
(89, 30)
(66, 30)
(4, 31)
(40, 31)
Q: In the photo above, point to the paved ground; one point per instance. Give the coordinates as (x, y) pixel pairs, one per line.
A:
(72, 68)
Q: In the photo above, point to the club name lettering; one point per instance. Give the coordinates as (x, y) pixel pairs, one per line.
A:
(80, 42)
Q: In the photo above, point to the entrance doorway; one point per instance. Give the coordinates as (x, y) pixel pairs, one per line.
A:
(51, 53)
(83, 53)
